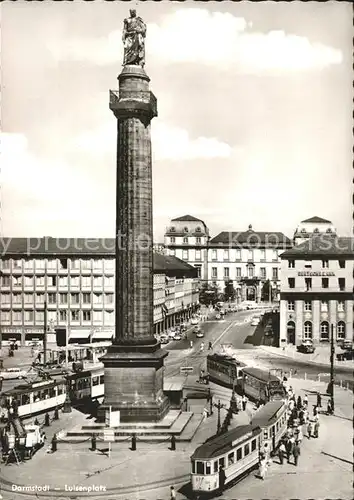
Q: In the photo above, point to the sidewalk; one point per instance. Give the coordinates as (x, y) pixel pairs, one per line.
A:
(324, 470)
(320, 357)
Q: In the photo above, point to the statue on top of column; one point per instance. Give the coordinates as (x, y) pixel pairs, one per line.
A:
(134, 33)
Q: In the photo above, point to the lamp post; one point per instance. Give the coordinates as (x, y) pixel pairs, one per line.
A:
(45, 333)
(331, 391)
(219, 406)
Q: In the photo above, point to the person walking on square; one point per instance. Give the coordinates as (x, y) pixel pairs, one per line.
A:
(244, 402)
(296, 453)
(172, 493)
(281, 452)
(305, 400)
(222, 478)
(319, 400)
(289, 449)
(316, 429)
(262, 468)
(299, 403)
(300, 435)
(309, 429)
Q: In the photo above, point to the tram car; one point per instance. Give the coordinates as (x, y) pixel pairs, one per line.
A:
(271, 418)
(261, 385)
(34, 397)
(86, 384)
(236, 452)
(224, 370)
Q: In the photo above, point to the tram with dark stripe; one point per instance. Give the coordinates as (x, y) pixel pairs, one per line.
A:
(224, 370)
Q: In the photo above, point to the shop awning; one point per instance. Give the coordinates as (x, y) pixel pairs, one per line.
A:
(104, 335)
(79, 334)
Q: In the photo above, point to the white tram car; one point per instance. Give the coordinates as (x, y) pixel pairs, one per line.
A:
(87, 384)
(237, 451)
(35, 397)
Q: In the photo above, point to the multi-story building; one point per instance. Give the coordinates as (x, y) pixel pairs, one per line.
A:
(73, 280)
(248, 258)
(187, 238)
(314, 226)
(317, 290)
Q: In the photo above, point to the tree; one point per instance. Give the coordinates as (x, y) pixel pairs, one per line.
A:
(229, 291)
(267, 291)
(208, 294)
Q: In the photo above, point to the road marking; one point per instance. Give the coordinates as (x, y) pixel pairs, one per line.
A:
(222, 334)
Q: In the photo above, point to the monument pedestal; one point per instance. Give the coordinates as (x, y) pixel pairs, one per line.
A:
(134, 383)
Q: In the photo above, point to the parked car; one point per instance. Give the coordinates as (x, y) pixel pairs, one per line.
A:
(347, 344)
(13, 373)
(164, 339)
(194, 320)
(347, 355)
(183, 327)
(196, 329)
(255, 321)
(306, 347)
(172, 334)
(178, 336)
(200, 334)
(217, 316)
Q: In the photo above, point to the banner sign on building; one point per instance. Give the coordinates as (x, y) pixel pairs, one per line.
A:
(315, 273)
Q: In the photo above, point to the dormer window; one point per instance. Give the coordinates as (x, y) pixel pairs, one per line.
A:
(198, 229)
(329, 230)
(172, 229)
(303, 230)
(316, 230)
(186, 229)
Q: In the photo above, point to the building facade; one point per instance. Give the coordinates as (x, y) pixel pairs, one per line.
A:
(317, 290)
(250, 259)
(313, 226)
(73, 281)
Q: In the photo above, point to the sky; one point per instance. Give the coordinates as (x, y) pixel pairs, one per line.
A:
(254, 118)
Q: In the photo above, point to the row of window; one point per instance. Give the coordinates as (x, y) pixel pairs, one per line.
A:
(60, 264)
(198, 240)
(324, 307)
(212, 467)
(308, 264)
(324, 329)
(57, 298)
(324, 282)
(53, 281)
(38, 316)
(250, 272)
(186, 229)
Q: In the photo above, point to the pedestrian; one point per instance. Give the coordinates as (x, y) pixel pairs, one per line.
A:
(266, 452)
(222, 477)
(319, 400)
(306, 416)
(172, 493)
(309, 429)
(289, 449)
(301, 416)
(299, 403)
(210, 346)
(296, 452)
(315, 410)
(244, 402)
(291, 405)
(329, 408)
(300, 435)
(202, 347)
(316, 429)
(281, 453)
(305, 400)
(191, 344)
(262, 468)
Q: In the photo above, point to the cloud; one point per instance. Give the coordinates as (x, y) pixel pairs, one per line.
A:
(209, 38)
(169, 143)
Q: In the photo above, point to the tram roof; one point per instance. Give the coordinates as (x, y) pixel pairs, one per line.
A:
(267, 413)
(33, 386)
(219, 445)
(225, 358)
(260, 374)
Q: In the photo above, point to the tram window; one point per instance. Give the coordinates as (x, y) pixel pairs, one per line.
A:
(193, 467)
(222, 462)
(36, 396)
(52, 392)
(239, 454)
(102, 379)
(216, 468)
(60, 389)
(45, 394)
(200, 468)
(25, 400)
(265, 433)
(254, 444)
(95, 380)
(231, 458)
(273, 430)
(240, 373)
(208, 468)
(277, 426)
(247, 449)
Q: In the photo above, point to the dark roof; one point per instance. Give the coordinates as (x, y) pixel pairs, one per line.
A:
(84, 247)
(317, 219)
(225, 359)
(251, 239)
(262, 374)
(219, 445)
(267, 413)
(187, 218)
(324, 244)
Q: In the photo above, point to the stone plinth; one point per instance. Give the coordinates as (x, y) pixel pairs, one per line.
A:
(134, 364)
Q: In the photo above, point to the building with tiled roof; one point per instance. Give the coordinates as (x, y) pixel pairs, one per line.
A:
(76, 278)
(316, 290)
(312, 227)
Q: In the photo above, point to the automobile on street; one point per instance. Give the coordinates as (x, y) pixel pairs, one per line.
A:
(306, 347)
(13, 373)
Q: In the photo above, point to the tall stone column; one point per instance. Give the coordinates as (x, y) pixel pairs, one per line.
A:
(133, 366)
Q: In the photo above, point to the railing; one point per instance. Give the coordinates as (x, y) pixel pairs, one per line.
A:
(116, 96)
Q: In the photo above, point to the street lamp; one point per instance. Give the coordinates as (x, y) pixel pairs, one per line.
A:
(331, 383)
(219, 406)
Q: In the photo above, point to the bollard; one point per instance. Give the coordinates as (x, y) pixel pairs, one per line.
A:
(46, 420)
(133, 442)
(54, 443)
(173, 442)
(93, 442)
(319, 378)
(341, 383)
(305, 376)
(56, 414)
